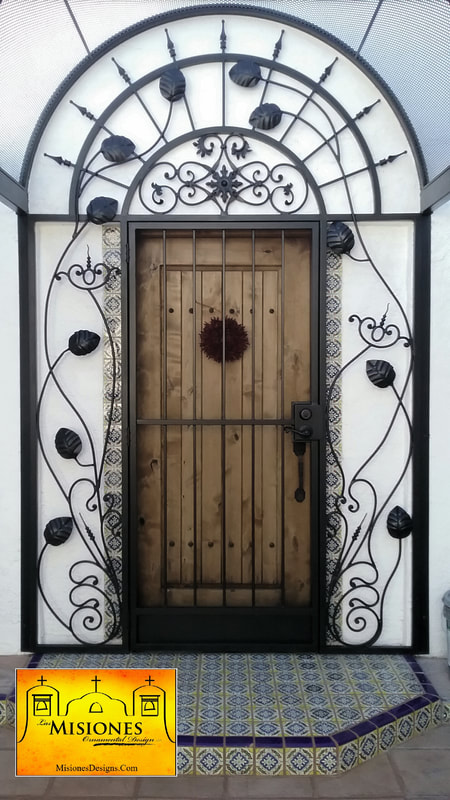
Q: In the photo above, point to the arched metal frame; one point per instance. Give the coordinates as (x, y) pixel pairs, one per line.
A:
(375, 334)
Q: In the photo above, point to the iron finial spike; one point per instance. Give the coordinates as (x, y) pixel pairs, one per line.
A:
(278, 45)
(327, 71)
(357, 531)
(170, 45)
(366, 110)
(384, 317)
(223, 38)
(122, 72)
(83, 111)
(60, 160)
(390, 159)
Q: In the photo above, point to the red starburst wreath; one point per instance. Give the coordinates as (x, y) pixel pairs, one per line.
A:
(236, 339)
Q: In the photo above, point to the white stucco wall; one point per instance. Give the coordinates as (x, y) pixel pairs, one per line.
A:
(439, 425)
(9, 436)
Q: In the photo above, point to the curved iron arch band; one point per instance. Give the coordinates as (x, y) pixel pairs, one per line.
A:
(210, 10)
(221, 58)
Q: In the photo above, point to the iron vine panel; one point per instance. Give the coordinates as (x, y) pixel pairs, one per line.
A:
(94, 586)
(231, 168)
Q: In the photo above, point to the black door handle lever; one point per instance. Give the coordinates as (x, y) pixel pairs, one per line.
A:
(299, 451)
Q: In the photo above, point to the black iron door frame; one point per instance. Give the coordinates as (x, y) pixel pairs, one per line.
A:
(234, 628)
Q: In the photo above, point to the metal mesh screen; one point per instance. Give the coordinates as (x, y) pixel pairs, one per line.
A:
(408, 45)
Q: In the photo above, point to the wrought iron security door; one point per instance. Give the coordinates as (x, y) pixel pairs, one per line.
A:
(223, 502)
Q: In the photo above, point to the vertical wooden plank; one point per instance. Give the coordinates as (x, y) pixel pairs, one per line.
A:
(173, 507)
(148, 327)
(198, 433)
(211, 499)
(174, 350)
(271, 355)
(246, 506)
(271, 542)
(247, 321)
(187, 346)
(233, 369)
(247, 411)
(258, 502)
(211, 449)
(233, 502)
(258, 342)
(296, 387)
(187, 504)
(297, 579)
(233, 439)
(297, 342)
(211, 384)
(149, 515)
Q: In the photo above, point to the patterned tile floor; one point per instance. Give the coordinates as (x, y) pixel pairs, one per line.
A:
(283, 714)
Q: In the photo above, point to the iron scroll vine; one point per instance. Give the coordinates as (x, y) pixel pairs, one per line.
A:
(223, 177)
(95, 596)
(355, 590)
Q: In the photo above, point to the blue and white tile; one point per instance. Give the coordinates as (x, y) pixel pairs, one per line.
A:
(269, 761)
(239, 760)
(209, 761)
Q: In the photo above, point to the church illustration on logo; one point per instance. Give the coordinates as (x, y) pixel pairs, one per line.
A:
(96, 713)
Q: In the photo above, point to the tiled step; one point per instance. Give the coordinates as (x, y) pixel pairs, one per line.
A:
(280, 714)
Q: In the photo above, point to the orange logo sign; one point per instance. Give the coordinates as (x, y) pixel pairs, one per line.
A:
(96, 722)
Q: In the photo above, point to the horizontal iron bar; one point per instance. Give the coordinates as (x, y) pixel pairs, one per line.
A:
(220, 611)
(246, 221)
(199, 421)
(220, 586)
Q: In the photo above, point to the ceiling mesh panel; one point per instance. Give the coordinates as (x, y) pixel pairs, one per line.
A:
(408, 45)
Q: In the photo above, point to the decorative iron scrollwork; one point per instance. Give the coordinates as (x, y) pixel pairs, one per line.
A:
(224, 180)
(89, 513)
(357, 588)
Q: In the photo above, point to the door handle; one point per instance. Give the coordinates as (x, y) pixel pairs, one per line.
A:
(306, 425)
(299, 451)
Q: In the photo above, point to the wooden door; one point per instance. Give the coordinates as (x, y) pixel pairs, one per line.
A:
(218, 525)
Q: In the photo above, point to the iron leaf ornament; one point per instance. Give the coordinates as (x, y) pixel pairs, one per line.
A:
(81, 343)
(58, 530)
(172, 84)
(117, 149)
(266, 116)
(399, 523)
(245, 73)
(340, 238)
(68, 443)
(381, 373)
(101, 210)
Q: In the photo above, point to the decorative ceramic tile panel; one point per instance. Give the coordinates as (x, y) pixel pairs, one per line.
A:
(333, 477)
(112, 393)
(282, 713)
